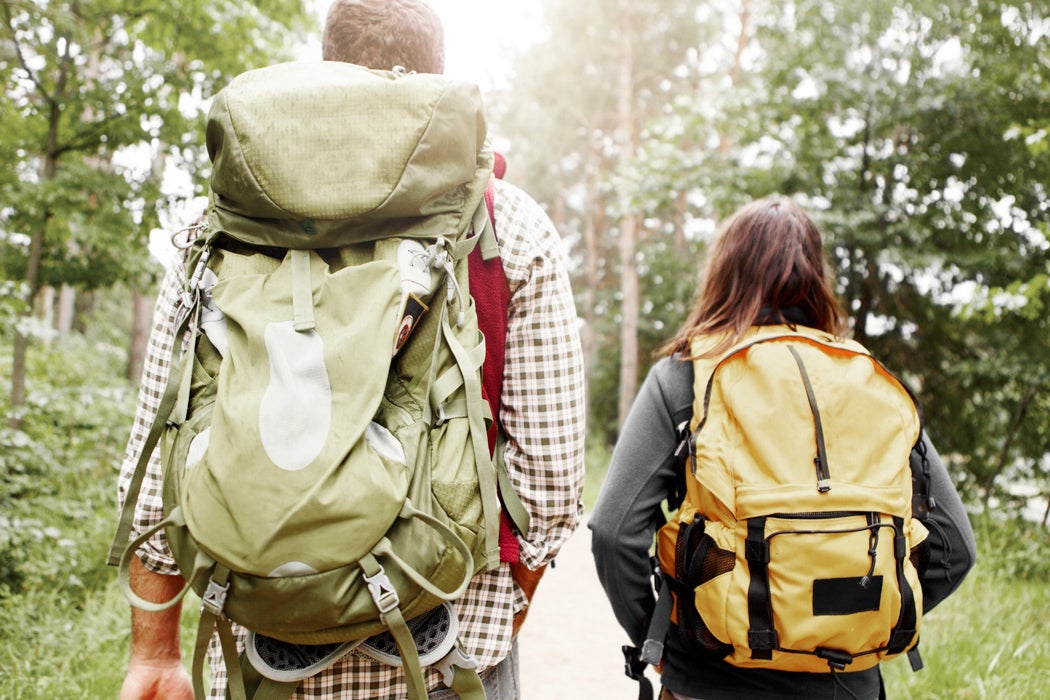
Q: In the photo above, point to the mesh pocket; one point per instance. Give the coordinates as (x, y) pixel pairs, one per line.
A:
(698, 559)
(696, 633)
(703, 560)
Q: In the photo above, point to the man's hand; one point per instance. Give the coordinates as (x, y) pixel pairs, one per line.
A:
(155, 670)
(156, 681)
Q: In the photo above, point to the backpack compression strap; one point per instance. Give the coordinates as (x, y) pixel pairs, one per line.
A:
(171, 398)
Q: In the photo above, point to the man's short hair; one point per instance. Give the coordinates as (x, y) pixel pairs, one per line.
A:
(382, 34)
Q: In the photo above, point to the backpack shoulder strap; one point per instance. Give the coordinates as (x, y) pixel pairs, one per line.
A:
(488, 286)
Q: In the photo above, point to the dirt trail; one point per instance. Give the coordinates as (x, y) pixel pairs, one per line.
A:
(570, 644)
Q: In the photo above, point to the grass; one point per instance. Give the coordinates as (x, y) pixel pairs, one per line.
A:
(53, 647)
(991, 639)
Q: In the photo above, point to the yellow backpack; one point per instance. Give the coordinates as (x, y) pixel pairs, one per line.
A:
(794, 548)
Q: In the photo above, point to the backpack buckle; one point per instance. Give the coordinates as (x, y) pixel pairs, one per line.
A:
(383, 592)
(214, 598)
(633, 667)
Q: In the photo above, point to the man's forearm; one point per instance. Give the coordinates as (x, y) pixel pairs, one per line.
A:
(154, 635)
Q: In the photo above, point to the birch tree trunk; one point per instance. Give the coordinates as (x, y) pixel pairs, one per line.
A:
(629, 222)
(592, 254)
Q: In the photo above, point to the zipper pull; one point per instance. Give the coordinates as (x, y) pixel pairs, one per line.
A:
(823, 478)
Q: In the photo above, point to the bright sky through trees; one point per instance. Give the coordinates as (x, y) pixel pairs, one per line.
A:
(478, 35)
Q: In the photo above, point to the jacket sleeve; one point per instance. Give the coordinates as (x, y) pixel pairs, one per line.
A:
(643, 472)
(951, 545)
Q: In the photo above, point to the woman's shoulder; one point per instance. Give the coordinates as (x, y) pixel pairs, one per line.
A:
(672, 378)
(672, 368)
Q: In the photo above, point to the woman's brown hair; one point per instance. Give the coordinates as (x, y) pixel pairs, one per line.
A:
(767, 266)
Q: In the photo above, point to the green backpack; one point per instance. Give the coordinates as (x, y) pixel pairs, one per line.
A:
(326, 473)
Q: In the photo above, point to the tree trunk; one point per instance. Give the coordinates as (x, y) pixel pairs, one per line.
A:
(725, 143)
(45, 306)
(36, 256)
(629, 223)
(140, 330)
(21, 344)
(592, 253)
(67, 297)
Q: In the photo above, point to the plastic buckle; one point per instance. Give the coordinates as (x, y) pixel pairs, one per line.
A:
(633, 665)
(455, 658)
(441, 417)
(383, 592)
(837, 659)
(214, 598)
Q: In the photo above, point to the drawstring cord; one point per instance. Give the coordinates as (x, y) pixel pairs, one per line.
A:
(439, 258)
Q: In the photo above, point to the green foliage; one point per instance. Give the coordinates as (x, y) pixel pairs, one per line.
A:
(63, 623)
(95, 93)
(57, 493)
(915, 133)
(1014, 548)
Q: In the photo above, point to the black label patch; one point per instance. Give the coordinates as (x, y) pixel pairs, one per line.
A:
(846, 596)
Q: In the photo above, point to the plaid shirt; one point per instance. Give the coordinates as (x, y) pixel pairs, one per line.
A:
(542, 416)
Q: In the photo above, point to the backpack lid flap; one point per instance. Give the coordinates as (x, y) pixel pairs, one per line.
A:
(326, 141)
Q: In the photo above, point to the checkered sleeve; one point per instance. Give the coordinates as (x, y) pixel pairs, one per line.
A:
(155, 554)
(543, 398)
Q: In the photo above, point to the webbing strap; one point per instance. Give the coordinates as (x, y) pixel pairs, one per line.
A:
(461, 248)
(484, 229)
(508, 494)
(212, 618)
(270, 689)
(265, 688)
(302, 290)
(467, 684)
(761, 637)
(659, 624)
(124, 568)
(234, 678)
(452, 378)
(823, 475)
(395, 622)
(904, 631)
(385, 549)
(634, 668)
(164, 410)
(477, 410)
